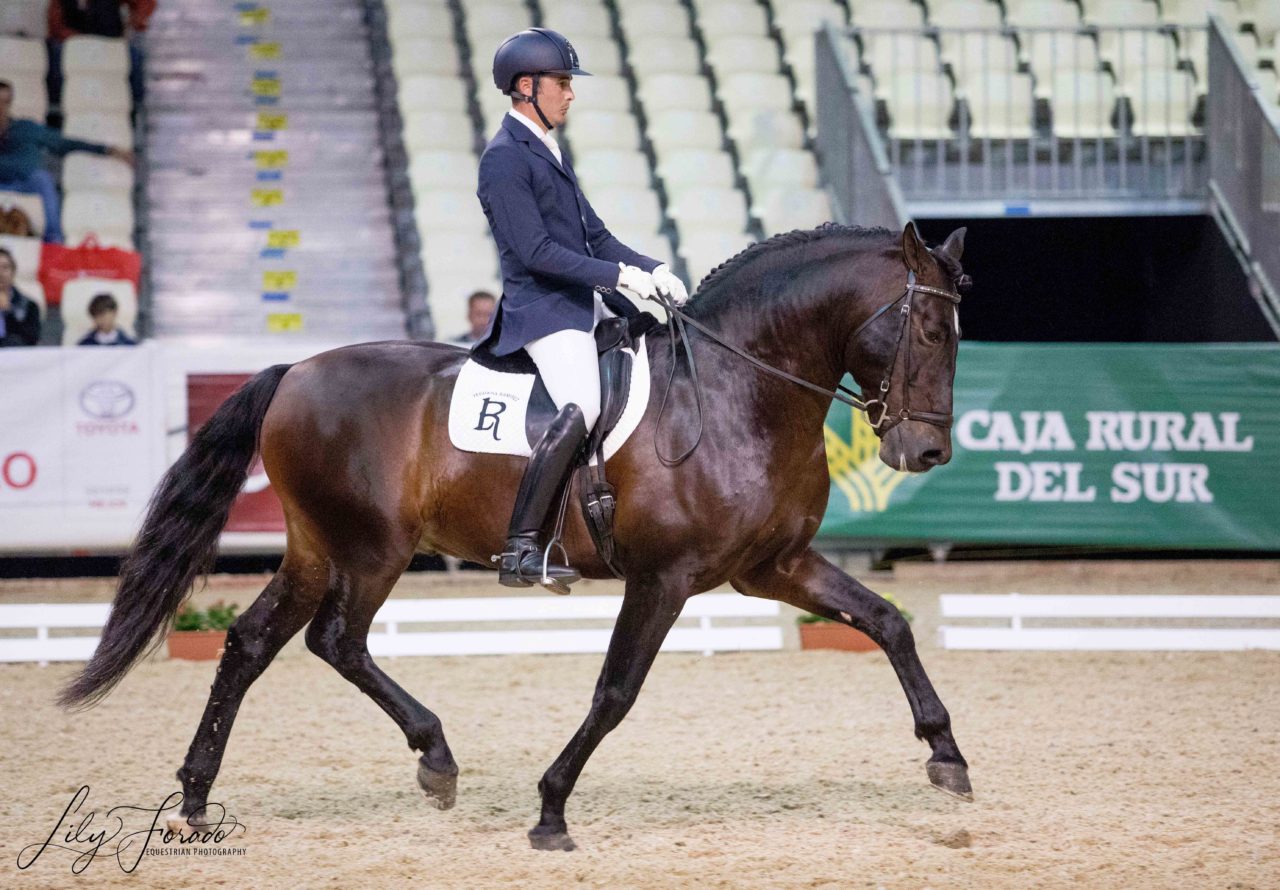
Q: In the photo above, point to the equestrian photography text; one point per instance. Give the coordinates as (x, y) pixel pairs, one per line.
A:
(127, 833)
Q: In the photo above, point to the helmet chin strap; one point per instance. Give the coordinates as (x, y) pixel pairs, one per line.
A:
(533, 100)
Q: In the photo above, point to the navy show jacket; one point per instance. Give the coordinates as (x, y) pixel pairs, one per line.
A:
(553, 248)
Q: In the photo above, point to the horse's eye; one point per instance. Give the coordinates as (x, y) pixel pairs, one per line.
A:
(933, 338)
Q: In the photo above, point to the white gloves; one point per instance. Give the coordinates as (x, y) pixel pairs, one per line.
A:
(636, 282)
(669, 285)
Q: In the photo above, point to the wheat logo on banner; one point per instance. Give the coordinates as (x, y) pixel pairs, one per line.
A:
(856, 468)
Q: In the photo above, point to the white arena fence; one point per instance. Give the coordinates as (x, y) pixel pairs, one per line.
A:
(718, 627)
(1096, 636)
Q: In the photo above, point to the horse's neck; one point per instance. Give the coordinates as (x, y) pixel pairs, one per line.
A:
(796, 336)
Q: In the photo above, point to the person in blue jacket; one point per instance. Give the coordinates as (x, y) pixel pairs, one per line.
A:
(561, 272)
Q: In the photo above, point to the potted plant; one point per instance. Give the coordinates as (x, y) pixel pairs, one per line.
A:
(817, 632)
(199, 635)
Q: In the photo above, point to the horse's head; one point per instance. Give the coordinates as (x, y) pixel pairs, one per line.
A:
(904, 354)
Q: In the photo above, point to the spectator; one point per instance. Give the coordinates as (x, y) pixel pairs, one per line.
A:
(21, 160)
(480, 306)
(101, 18)
(103, 309)
(19, 314)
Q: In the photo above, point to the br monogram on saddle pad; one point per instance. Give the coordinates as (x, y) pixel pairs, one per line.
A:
(500, 405)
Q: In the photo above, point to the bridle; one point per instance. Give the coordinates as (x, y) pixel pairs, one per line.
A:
(882, 399)
(676, 321)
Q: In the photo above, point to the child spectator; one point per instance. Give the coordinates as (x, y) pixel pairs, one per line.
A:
(21, 160)
(19, 314)
(102, 18)
(480, 306)
(103, 308)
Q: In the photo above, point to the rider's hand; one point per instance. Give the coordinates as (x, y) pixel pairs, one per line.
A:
(637, 282)
(669, 285)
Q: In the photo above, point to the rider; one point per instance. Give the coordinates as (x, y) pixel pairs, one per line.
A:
(557, 258)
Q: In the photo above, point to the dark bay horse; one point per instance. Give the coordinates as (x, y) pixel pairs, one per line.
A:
(355, 441)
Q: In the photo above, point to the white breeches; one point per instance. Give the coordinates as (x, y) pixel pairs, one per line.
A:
(570, 367)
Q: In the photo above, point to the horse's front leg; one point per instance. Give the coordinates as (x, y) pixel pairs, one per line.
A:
(815, 585)
(648, 610)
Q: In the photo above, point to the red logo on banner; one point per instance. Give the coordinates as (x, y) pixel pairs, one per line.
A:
(18, 470)
(257, 509)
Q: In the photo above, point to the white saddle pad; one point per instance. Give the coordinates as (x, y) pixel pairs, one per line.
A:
(487, 410)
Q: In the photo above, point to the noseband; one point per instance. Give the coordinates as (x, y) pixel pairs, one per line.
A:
(882, 397)
(677, 319)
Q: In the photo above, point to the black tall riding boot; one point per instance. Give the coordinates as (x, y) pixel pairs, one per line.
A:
(520, 564)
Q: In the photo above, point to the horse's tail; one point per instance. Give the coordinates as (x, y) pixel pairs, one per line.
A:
(179, 538)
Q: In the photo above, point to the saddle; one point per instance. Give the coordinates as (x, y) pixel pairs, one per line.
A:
(616, 340)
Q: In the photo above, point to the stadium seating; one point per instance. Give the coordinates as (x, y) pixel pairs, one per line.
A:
(704, 250)
(783, 209)
(24, 55)
(687, 168)
(725, 89)
(427, 92)
(676, 92)
(920, 107)
(654, 18)
(1001, 106)
(664, 55)
(1162, 102)
(1049, 52)
(427, 54)
(87, 171)
(29, 97)
(630, 207)
(603, 168)
(93, 126)
(1083, 105)
(107, 214)
(26, 18)
(95, 55)
(582, 18)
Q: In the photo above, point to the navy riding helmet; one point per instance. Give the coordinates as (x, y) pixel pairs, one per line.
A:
(535, 51)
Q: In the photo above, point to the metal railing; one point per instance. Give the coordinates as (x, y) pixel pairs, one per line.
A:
(990, 121)
(1244, 167)
(853, 159)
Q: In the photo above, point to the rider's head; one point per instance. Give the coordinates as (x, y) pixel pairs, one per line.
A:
(535, 68)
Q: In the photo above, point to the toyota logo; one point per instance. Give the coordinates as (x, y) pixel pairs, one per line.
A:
(106, 399)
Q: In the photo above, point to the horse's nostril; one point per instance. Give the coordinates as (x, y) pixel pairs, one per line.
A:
(933, 457)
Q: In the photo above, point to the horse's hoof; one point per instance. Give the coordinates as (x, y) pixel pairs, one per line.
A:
(178, 823)
(951, 778)
(441, 789)
(549, 839)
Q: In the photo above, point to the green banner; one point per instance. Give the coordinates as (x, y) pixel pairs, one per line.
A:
(1096, 444)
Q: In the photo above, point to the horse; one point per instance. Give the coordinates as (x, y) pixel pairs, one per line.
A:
(355, 442)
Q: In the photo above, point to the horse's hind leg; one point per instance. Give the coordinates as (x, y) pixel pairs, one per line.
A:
(815, 585)
(339, 635)
(253, 641)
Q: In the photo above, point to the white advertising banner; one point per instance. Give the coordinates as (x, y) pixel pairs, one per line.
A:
(81, 446)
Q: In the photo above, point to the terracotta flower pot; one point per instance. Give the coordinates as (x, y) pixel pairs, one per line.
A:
(196, 645)
(829, 635)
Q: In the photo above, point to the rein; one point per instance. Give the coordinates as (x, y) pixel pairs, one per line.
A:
(677, 319)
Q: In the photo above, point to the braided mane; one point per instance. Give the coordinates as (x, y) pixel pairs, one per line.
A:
(786, 239)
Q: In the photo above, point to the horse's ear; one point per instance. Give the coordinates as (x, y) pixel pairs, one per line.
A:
(914, 253)
(954, 245)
